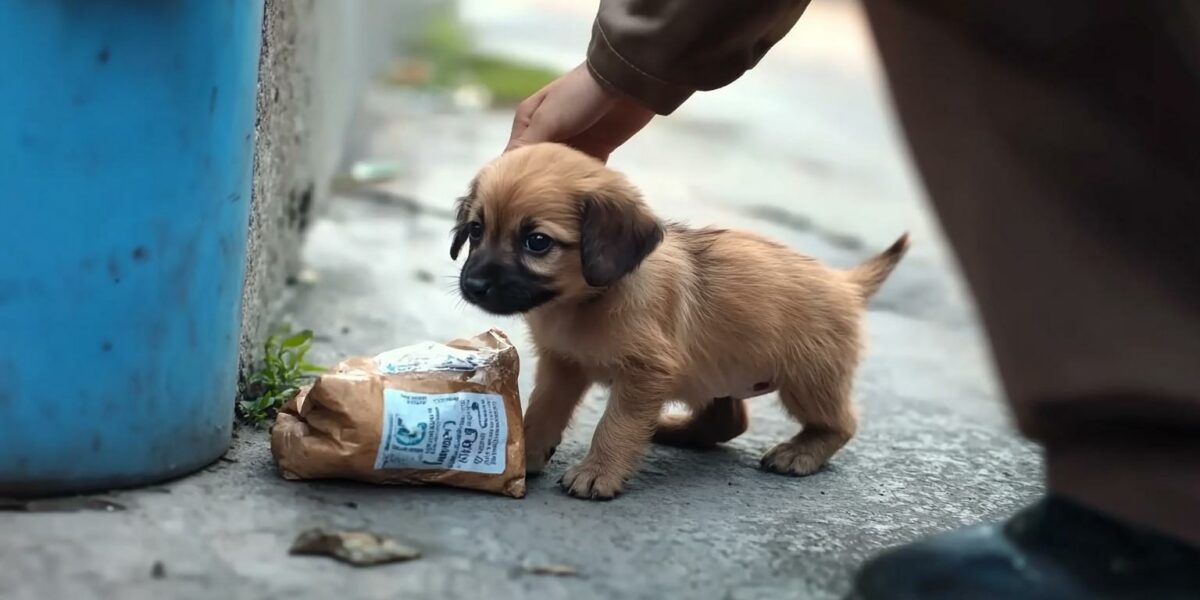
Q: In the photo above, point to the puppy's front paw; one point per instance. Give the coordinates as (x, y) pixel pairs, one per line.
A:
(590, 481)
(792, 458)
(535, 459)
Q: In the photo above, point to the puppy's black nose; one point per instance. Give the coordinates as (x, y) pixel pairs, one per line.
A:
(476, 287)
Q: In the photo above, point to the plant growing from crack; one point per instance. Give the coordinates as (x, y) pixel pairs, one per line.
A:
(283, 371)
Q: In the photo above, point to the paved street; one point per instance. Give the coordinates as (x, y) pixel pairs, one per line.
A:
(802, 150)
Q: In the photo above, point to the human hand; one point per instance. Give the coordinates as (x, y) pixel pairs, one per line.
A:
(576, 110)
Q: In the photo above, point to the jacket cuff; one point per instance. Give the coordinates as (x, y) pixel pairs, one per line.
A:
(616, 73)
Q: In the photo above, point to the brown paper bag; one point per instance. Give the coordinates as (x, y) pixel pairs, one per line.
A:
(428, 413)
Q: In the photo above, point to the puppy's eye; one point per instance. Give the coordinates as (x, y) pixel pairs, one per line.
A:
(538, 243)
(475, 230)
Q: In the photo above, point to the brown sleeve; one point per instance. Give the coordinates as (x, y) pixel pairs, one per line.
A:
(660, 52)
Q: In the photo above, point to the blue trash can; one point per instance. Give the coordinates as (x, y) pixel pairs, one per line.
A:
(126, 149)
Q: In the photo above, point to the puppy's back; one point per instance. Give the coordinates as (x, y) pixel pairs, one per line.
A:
(743, 288)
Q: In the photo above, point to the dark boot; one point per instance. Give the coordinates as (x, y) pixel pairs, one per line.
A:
(1055, 549)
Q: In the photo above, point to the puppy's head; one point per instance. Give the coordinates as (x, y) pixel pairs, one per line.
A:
(546, 223)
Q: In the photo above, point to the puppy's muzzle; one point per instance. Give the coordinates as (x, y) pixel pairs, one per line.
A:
(502, 289)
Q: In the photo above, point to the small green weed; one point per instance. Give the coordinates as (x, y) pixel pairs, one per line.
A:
(283, 371)
(445, 46)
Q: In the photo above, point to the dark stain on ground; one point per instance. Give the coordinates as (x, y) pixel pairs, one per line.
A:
(106, 346)
(424, 276)
(814, 166)
(103, 55)
(299, 206)
(114, 269)
(158, 570)
(802, 223)
(67, 504)
(407, 204)
(140, 254)
(212, 100)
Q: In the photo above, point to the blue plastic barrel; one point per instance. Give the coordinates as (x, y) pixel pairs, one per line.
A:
(126, 148)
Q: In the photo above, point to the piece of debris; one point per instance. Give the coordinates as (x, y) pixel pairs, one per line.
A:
(365, 173)
(158, 570)
(73, 504)
(411, 72)
(472, 97)
(307, 277)
(553, 570)
(358, 548)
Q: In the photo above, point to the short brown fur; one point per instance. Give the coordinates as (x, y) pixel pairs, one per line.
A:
(707, 319)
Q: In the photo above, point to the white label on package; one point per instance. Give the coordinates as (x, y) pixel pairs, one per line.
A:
(463, 431)
(428, 356)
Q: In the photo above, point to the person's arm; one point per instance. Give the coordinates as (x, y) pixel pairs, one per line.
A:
(660, 52)
(647, 57)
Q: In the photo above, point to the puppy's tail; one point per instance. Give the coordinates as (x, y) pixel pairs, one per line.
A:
(871, 274)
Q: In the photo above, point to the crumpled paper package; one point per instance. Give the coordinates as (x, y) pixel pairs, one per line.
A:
(423, 414)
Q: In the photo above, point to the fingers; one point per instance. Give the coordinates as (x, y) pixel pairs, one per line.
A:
(524, 117)
(565, 108)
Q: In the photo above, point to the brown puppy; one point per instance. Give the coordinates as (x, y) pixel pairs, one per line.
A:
(659, 313)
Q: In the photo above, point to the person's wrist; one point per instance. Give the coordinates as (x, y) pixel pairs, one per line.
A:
(605, 86)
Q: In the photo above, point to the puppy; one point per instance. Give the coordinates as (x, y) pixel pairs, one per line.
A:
(658, 313)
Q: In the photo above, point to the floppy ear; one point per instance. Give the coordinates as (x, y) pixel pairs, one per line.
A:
(463, 212)
(616, 235)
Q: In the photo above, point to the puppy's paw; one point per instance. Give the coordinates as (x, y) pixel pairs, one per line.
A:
(590, 481)
(792, 458)
(535, 460)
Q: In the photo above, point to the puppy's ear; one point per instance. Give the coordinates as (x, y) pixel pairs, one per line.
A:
(462, 213)
(616, 234)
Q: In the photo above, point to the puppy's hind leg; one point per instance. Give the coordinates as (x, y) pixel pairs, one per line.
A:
(718, 421)
(827, 416)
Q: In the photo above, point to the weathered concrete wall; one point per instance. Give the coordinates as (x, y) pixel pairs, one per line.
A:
(317, 57)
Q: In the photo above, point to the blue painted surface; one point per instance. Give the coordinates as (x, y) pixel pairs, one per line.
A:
(126, 146)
